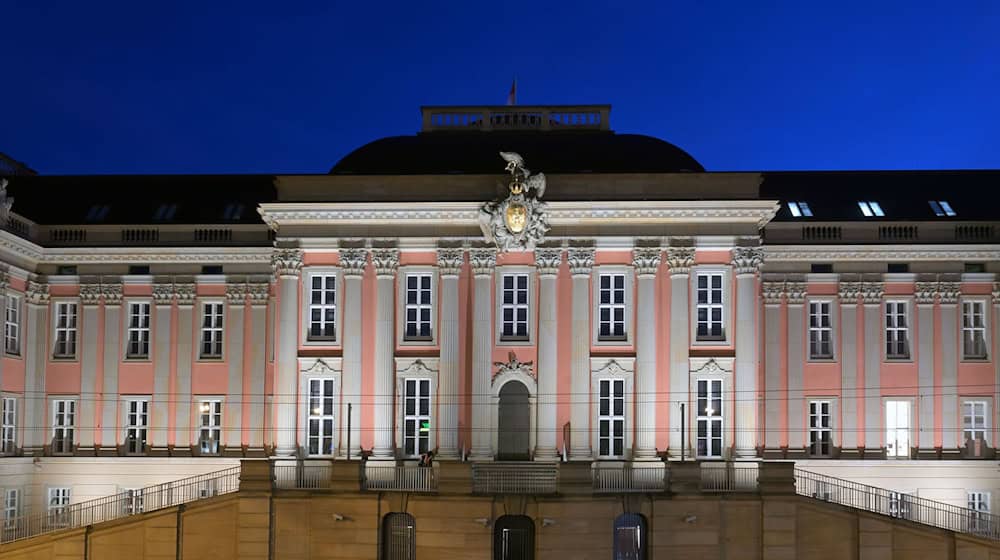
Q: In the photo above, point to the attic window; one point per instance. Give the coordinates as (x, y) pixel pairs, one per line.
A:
(233, 211)
(165, 212)
(941, 208)
(800, 209)
(98, 212)
(870, 208)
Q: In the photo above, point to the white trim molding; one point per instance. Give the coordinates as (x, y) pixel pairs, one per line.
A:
(869, 253)
(319, 368)
(416, 368)
(612, 368)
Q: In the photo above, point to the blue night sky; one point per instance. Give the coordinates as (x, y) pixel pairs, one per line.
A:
(238, 87)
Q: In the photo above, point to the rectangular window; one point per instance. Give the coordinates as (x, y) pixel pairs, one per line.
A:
(871, 208)
(416, 416)
(134, 503)
(63, 425)
(65, 330)
(11, 508)
(897, 428)
(979, 516)
(709, 418)
(210, 426)
(138, 330)
(899, 504)
(820, 429)
(820, 330)
(323, 307)
(320, 420)
(709, 306)
(12, 326)
(800, 209)
(974, 329)
(8, 425)
(136, 425)
(974, 420)
(897, 326)
(211, 330)
(418, 307)
(208, 488)
(58, 506)
(611, 418)
(611, 307)
(514, 307)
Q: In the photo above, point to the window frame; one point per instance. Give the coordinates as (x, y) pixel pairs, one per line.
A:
(907, 306)
(8, 430)
(320, 369)
(201, 427)
(985, 328)
(126, 404)
(12, 326)
(532, 294)
(710, 419)
(403, 275)
(221, 356)
(616, 368)
(305, 293)
(408, 369)
(10, 521)
(910, 429)
(65, 495)
(832, 329)
(831, 416)
(639, 523)
(611, 417)
(63, 426)
(629, 308)
(974, 498)
(57, 305)
(423, 391)
(987, 428)
(129, 329)
(726, 305)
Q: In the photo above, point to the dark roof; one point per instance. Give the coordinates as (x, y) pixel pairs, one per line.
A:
(141, 199)
(903, 195)
(548, 152)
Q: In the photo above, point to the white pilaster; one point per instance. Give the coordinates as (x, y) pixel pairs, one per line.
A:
(746, 262)
(90, 299)
(36, 350)
(848, 293)
(547, 262)
(236, 295)
(449, 266)
(795, 292)
(871, 297)
(646, 261)
(163, 300)
(581, 262)
(679, 259)
(259, 293)
(287, 265)
(385, 261)
(924, 353)
(483, 262)
(774, 396)
(352, 263)
(949, 292)
(111, 435)
(996, 360)
(185, 295)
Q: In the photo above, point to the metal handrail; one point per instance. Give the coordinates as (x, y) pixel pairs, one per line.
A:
(629, 478)
(403, 478)
(303, 476)
(896, 504)
(729, 476)
(515, 477)
(122, 504)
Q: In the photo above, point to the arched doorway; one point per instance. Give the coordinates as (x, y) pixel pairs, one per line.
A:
(514, 538)
(514, 423)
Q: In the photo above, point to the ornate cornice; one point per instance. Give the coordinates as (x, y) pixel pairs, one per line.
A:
(353, 261)
(258, 292)
(112, 294)
(236, 294)
(450, 261)
(772, 292)
(385, 261)
(580, 260)
(849, 292)
(548, 261)
(37, 293)
(156, 255)
(855, 253)
(185, 293)
(646, 260)
(747, 260)
(925, 292)
(872, 292)
(949, 292)
(513, 365)
(680, 259)
(287, 262)
(483, 261)
(163, 294)
(795, 292)
(90, 294)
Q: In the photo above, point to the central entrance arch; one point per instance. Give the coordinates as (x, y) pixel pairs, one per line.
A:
(514, 422)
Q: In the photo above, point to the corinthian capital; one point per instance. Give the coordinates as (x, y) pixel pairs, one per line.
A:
(112, 293)
(849, 292)
(795, 292)
(949, 292)
(258, 292)
(872, 292)
(236, 294)
(646, 260)
(548, 261)
(185, 293)
(450, 261)
(353, 261)
(90, 294)
(385, 261)
(483, 261)
(580, 260)
(747, 260)
(37, 293)
(680, 259)
(772, 292)
(287, 262)
(925, 292)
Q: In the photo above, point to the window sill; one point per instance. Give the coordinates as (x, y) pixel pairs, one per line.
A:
(12, 355)
(821, 360)
(514, 340)
(898, 360)
(210, 359)
(975, 359)
(64, 359)
(137, 359)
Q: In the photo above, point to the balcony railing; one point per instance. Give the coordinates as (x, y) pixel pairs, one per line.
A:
(305, 476)
(515, 478)
(399, 478)
(123, 504)
(615, 479)
(726, 476)
(896, 504)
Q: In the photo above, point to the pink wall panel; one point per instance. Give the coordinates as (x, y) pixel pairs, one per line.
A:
(613, 257)
(427, 258)
(899, 288)
(977, 288)
(821, 288)
(62, 290)
(210, 289)
(13, 374)
(62, 377)
(137, 289)
(899, 379)
(318, 258)
(713, 256)
(209, 378)
(975, 378)
(135, 378)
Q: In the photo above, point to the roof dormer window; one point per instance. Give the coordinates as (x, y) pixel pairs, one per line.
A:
(165, 212)
(800, 209)
(870, 208)
(941, 208)
(98, 212)
(233, 211)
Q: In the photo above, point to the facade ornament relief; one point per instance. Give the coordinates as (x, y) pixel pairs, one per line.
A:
(795, 292)
(185, 293)
(287, 262)
(320, 366)
(6, 202)
(513, 365)
(710, 367)
(772, 292)
(611, 367)
(37, 293)
(646, 260)
(747, 260)
(90, 294)
(925, 292)
(236, 294)
(258, 292)
(385, 261)
(872, 292)
(112, 294)
(450, 261)
(996, 293)
(4, 279)
(519, 221)
(415, 368)
(949, 292)
(548, 261)
(163, 294)
(580, 260)
(849, 292)
(680, 259)
(353, 261)
(483, 261)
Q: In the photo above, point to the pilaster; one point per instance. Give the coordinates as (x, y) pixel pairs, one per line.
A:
(449, 261)
(184, 294)
(679, 260)
(547, 263)
(236, 296)
(581, 262)
(386, 262)
(746, 264)
(36, 350)
(483, 262)
(795, 294)
(871, 297)
(849, 292)
(646, 261)
(111, 434)
(352, 265)
(163, 303)
(287, 264)
(774, 396)
(90, 299)
(926, 293)
(948, 295)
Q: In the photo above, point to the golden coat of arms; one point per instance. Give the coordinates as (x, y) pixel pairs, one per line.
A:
(518, 221)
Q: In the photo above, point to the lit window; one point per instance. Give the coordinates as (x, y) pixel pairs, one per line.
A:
(611, 307)
(57, 506)
(323, 307)
(897, 343)
(800, 209)
(416, 416)
(820, 429)
(974, 330)
(709, 419)
(133, 502)
(63, 424)
(974, 420)
(12, 328)
(979, 504)
(98, 212)
(611, 418)
(210, 427)
(514, 307)
(8, 425)
(11, 508)
(820, 331)
(65, 330)
(709, 306)
(138, 330)
(165, 212)
(233, 211)
(211, 330)
(941, 208)
(871, 208)
(899, 504)
(319, 422)
(136, 425)
(418, 307)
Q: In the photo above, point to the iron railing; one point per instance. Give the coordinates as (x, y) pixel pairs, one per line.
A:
(399, 478)
(728, 476)
(123, 504)
(510, 477)
(897, 504)
(614, 479)
(306, 476)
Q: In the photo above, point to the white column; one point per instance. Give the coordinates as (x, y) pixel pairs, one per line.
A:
(111, 435)
(163, 301)
(547, 262)
(581, 262)
(287, 265)
(848, 292)
(385, 261)
(774, 396)
(483, 263)
(949, 292)
(996, 358)
(746, 262)
(236, 295)
(871, 296)
(352, 263)
(37, 431)
(449, 265)
(259, 293)
(679, 259)
(795, 292)
(924, 353)
(646, 261)
(90, 298)
(185, 295)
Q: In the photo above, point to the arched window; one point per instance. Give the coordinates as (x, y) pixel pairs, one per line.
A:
(514, 538)
(399, 541)
(631, 537)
